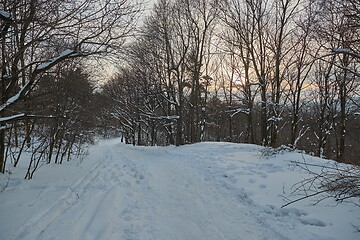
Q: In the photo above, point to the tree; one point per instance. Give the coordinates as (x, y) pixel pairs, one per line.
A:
(301, 68)
(269, 71)
(200, 17)
(338, 36)
(285, 11)
(248, 21)
(65, 100)
(37, 35)
(263, 41)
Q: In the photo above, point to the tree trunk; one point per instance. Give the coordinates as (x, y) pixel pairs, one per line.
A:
(264, 120)
(342, 123)
(2, 150)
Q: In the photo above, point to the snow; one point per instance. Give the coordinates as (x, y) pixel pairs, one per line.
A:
(275, 119)
(174, 117)
(5, 15)
(238, 110)
(54, 60)
(14, 98)
(199, 191)
(39, 68)
(10, 118)
(346, 51)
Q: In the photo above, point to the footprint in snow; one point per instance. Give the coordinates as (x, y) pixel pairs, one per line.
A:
(263, 175)
(313, 222)
(126, 215)
(252, 180)
(125, 183)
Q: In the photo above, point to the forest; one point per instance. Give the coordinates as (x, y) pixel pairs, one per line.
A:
(263, 72)
(267, 72)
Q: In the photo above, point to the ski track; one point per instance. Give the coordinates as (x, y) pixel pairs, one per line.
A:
(148, 193)
(35, 226)
(89, 201)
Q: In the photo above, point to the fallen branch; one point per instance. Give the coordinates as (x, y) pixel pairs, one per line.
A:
(340, 182)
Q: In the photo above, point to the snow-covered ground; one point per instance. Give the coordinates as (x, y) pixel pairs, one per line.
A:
(201, 191)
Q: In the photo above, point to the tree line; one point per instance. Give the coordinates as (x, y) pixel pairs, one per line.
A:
(269, 72)
(47, 108)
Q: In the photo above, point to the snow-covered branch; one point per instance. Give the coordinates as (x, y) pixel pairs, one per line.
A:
(50, 63)
(174, 117)
(346, 51)
(302, 132)
(274, 119)
(15, 98)
(39, 69)
(11, 118)
(5, 16)
(21, 116)
(237, 111)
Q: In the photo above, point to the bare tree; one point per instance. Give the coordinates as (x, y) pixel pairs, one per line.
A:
(37, 35)
(299, 71)
(251, 23)
(173, 42)
(281, 46)
(200, 18)
(338, 35)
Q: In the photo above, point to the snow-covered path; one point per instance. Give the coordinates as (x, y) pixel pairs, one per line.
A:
(186, 204)
(202, 191)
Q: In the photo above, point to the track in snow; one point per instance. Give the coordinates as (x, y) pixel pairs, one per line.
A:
(156, 193)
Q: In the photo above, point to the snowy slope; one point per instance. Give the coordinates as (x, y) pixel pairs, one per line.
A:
(201, 191)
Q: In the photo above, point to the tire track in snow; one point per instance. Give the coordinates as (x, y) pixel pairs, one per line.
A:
(36, 225)
(95, 222)
(152, 193)
(105, 204)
